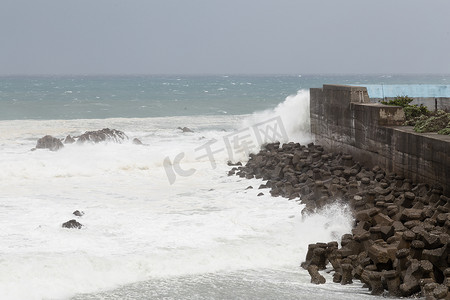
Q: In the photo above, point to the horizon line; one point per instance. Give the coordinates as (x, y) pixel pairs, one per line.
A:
(213, 74)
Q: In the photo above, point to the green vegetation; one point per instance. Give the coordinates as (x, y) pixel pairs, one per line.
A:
(421, 118)
(446, 130)
(434, 123)
(402, 101)
(413, 111)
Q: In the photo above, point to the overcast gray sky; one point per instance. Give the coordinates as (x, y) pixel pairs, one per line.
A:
(223, 37)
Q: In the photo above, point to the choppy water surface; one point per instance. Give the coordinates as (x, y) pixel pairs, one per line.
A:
(203, 237)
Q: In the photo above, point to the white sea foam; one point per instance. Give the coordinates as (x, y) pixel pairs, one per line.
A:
(136, 225)
(294, 113)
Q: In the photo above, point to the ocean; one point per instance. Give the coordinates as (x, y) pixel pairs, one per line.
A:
(161, 220)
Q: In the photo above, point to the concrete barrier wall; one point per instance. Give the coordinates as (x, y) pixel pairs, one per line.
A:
(343, 119)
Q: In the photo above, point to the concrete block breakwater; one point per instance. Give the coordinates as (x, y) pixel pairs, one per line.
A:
(365, 159)
(400, 239)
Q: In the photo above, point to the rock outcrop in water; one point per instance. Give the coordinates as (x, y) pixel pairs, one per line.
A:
(185, 129)
(400, 238)
(78, 213)
(104, 135)
(49, 142)
(98, 136)
(69, 140)
(137, 141)
(72, 224)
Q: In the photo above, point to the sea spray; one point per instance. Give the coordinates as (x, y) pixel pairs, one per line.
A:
(288, 121)
(294, 113)
(327, 224)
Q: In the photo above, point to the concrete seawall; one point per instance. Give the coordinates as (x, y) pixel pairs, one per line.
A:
(344, 120)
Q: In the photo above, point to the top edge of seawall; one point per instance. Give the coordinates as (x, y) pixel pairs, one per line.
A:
(341, 87)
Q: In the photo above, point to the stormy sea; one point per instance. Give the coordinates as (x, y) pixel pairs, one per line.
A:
(161, 218)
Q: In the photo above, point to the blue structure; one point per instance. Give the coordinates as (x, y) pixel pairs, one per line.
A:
(411, 90)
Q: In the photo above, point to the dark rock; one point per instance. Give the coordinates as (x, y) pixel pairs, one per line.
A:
(427, 269)
(49, 142)
(382, 220)
(366, 215)
(375, 283)
(137, 141)
(398, 226)
(319, 258)
(347, 160)
(78, 213)
(387, 231)
(400, 264)
(428, 289)
(382, 191)
(346, 274)
(440, 292)
(337, 277)
(438, 257)
(416, 249)
(260, 194)
(365, 180)
(411, 284)
(69, 140)
(185, 129)
(393, 283)
(447, 276)
(411, 224)
(375, 233)
(316, 255)
(104, 135)
(379, 177)
(316, 278)
(381, 252)
(72, 224)
(272, 146)
(410, 214)
(408, 200)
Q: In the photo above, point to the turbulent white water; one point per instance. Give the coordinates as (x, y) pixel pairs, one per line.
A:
(137, 225)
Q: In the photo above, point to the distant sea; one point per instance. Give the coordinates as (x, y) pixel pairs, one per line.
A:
(162, 220)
